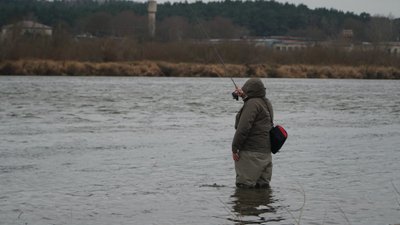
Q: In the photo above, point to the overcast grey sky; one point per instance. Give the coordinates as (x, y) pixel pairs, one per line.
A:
(373, 7)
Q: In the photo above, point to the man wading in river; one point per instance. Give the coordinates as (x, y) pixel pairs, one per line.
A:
(251, 146)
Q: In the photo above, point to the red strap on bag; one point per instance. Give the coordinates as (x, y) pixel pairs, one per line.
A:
(282, 130)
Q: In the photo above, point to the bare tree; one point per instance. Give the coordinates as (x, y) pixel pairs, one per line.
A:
(128, 24)
(357, 27)
(174, 28)
(98, 24)
(221, 27)
(380, 29)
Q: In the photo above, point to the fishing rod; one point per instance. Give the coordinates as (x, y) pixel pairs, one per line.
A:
(203, 30)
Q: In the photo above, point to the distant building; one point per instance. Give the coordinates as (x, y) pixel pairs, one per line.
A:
(347, 34)
(342, 45)
(279, 43)
(26, 27)
(289, 43)
(152, 10)
(392, 47)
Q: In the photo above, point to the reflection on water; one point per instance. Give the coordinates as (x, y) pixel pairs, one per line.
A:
(253, 206)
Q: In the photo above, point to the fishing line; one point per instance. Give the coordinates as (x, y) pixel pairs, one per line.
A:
(205, 33)
(219, 57)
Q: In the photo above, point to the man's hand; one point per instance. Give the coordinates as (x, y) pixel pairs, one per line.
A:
(235, 156)
(239, 92)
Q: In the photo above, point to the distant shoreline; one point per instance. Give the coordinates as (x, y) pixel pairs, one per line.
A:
(168, 69)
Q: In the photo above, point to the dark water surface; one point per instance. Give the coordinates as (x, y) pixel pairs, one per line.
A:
(115, 150)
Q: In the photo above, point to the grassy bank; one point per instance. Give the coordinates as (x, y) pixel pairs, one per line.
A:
(166, 69)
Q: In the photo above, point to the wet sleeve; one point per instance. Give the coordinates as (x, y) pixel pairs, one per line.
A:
(244, 126)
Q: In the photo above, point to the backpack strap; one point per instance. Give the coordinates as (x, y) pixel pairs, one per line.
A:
(269, 110)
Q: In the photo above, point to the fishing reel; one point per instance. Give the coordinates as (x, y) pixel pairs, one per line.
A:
(235, 96)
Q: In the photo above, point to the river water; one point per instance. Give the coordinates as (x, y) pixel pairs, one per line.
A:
(130, 150)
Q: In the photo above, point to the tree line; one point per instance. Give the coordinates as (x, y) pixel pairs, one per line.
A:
(183, 20)
(116, 31)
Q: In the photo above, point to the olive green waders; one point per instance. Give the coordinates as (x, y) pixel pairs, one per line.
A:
(253, 169)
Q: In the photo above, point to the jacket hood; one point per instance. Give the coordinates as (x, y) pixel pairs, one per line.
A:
(254, 88)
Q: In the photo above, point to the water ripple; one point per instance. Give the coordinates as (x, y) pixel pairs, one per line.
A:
(123, 150)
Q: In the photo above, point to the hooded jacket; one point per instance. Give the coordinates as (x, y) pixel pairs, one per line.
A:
(254, 120)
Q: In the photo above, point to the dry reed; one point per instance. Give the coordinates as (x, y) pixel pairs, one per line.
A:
(168, 69)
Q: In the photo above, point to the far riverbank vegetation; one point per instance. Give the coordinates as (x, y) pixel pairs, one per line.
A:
(263, 39)
(126, 57)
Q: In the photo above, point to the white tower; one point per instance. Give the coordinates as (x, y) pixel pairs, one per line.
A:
(152, 9)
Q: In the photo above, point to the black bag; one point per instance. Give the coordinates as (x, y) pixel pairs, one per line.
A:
(277, 134)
